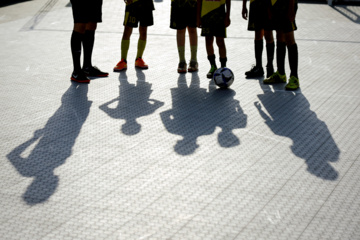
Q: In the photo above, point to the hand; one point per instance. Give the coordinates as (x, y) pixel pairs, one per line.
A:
(291, 15)
(198, 22)
(227, 21)
(245, 13)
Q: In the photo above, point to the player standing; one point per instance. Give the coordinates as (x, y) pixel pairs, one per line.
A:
(183, 16)
(260, 23)
(136, 11)
(283, 14)
(86, 14)
(214, 17)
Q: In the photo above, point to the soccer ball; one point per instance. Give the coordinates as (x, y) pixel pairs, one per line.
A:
(223, 77)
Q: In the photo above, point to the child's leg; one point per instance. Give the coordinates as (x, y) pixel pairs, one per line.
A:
(270, 49)
(141, 41)
(180, 39)
(88, 43)
(220, 42)
(293, 53)
(193, 42)
(259, 46)
(209, 41)
(75, 43)
(125, 42)
(280, 52)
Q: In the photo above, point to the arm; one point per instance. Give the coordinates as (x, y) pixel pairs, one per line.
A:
(227, 17)
(291, 11)
(244, 10)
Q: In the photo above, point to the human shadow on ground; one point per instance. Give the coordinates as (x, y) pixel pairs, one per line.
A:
(53, 146)
(133, 102)
(288, 114)
(196, 112)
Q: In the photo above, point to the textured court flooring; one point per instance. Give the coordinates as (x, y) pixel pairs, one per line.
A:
(157, 155)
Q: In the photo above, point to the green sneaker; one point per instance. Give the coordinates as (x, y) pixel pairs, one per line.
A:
(293, 83)
(210, 74)
(275, 78)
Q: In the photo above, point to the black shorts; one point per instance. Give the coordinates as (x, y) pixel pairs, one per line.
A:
(85, 11)
(136, 13)
(280, 20)
(182, 17)
(214, 24)
(259, 16)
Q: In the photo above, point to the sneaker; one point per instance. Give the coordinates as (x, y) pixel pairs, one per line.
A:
(275, 78)
(210, 74)
(93, 71)
(79, 77)
(255, 72)
(293, 83)
(193, 66)
(269, 71)
(139, 63)
(121, 66)
(182, 67)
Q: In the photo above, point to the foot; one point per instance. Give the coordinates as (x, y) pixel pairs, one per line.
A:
(275, 78)
(269, 71)
(255, 72)
(210, 74)
(193, 66)
(121, 66)
(80, 77)
(93, 71)
(293, 84)
(182, 67)
(139, 63)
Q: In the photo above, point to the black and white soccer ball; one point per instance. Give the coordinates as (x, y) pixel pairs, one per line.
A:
(223, 77)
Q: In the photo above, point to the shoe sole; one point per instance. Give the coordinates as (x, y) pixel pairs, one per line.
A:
(141, 67)
(79, 81)
(103, 75)
(181, 71)
(119, 70)
(193, 70)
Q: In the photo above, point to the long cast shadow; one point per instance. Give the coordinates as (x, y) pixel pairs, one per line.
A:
(54, 145)
(133, 102)
(196, 112)
(289, 115)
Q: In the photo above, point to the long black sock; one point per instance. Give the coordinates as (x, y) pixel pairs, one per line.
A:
(75, 43)
(293, 59)
(280, 56)
(270, 49)
(211, 59)
(259, 46)
(223, 62)
(88, 44)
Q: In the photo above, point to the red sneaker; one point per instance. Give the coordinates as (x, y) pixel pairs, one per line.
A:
(139, 63)
(122, 65)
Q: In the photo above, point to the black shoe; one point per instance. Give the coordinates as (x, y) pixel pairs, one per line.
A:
(79, 77)
(269, 71)
(94, 72)
(255, 72)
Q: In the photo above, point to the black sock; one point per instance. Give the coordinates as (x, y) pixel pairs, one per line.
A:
(211, 59)
(88, 44)
(223, 62)
(259, 45)
(280, 56)
(293, 59)
(270, 48)
(75, 43)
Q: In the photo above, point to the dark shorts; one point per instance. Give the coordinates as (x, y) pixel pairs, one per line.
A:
(259, 16)
(182, 17)
(214, 24)
(137, 13)
(85, 11)
(280, 20)
(215, 31)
